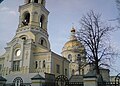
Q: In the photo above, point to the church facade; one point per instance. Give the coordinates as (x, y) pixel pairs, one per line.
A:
(29, 52)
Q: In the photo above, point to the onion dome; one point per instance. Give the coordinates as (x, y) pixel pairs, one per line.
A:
(73, 43)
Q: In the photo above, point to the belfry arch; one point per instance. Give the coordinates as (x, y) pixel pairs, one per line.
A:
(42, 21)
(26, 18)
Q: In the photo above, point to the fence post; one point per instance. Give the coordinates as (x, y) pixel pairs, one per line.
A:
(90, 81)
(38, 80)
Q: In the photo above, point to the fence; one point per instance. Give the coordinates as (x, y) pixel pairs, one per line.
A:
(74, 84)
(108, 84)
(64, 81)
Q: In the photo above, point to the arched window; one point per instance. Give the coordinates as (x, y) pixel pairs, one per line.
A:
(36, 64)
(44, 64)
(23, 37)
(42, 19)
(26, 19)
(43, 42)
(70, 57)
(36, 1)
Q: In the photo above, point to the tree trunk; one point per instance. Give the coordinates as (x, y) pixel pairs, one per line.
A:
(97, 68)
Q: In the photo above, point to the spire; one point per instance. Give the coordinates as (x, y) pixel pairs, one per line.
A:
(73, 31)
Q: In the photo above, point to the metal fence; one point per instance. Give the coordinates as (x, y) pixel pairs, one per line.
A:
(12, 84)
(74, 84)
(108, 84)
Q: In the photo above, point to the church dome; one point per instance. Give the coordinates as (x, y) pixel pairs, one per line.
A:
(73, 43)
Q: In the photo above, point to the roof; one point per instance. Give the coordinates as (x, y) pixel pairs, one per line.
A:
(2, 78)
(76, 78)
(91, 74)
(38, 77)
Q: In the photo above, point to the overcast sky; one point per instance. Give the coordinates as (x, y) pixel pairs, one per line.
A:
(63, 15)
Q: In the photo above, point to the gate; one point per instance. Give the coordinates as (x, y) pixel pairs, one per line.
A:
(117, 80)
(62, 80)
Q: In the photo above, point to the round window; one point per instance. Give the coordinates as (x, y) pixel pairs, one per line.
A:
(18, 52)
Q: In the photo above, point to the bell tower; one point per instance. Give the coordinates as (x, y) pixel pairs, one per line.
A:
(33, 14)
(30, 41)
(33, 20)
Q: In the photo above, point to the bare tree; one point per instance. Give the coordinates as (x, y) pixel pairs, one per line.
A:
(94, 34)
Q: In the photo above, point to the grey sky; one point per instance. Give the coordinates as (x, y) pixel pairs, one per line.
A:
(62, 14)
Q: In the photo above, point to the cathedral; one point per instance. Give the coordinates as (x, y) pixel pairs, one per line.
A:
(29, 52)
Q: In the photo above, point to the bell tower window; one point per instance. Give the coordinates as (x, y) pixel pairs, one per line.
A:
(42, 21)
(26, 19)
(36, 1)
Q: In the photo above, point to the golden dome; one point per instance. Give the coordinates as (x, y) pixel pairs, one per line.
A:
(73, 45)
